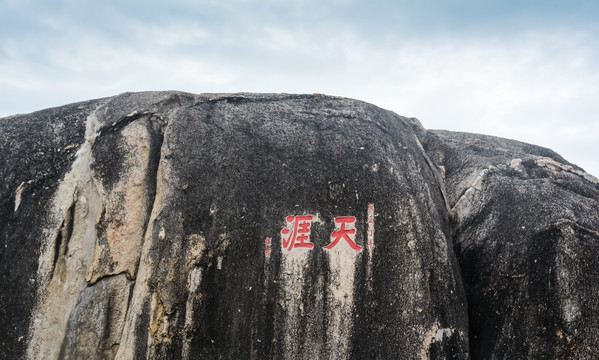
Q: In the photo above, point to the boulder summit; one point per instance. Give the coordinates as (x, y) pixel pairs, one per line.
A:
(168, 225)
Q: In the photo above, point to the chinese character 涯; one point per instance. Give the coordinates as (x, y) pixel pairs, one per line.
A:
(297, 232)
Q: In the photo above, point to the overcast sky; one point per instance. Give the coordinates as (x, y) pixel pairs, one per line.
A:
(527, 70)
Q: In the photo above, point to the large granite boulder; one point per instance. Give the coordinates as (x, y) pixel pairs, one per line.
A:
(169, 225)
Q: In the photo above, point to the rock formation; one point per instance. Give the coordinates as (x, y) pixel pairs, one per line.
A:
(169, 225)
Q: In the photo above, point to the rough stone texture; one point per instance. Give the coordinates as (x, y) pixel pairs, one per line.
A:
(526, 234)
(95, 325)
(138, 226)
(37, 151)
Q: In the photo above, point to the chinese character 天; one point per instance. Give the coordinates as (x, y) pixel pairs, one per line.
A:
(346, 230)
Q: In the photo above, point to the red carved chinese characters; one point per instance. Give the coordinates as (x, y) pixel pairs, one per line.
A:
(346, 230)
(267, 243)
(297, 232)
(370, 226)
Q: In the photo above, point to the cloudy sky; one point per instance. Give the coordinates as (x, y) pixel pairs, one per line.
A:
(522, 69)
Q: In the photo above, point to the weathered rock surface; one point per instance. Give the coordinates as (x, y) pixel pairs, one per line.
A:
(170, 225)
(526, 232)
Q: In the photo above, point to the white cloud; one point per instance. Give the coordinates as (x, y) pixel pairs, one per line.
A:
(170, 36)
(539, 86)
(532, 88)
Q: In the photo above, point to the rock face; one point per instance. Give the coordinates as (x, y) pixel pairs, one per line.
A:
(171, 225)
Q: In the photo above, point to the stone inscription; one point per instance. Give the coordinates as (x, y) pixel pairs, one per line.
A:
(297, 231)
(346, 230)
(267, 245)
(370, 226)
